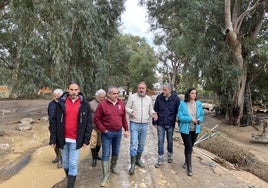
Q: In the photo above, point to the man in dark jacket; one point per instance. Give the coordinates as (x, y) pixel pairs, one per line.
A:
(71, 129)
(166, 106)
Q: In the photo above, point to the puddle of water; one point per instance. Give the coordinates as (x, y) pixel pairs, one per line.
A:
(40, 172)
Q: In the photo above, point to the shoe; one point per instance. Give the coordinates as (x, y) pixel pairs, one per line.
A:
(94, 162)
(170, 157)
(160, 161)
(157, 165)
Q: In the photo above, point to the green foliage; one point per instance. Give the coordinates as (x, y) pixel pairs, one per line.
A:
(131, 60)
(193, 32)
(52, 43)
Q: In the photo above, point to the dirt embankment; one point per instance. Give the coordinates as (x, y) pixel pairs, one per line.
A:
(234, 145)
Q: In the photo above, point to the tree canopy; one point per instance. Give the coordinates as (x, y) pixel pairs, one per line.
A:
(216, 45)
(53, 43)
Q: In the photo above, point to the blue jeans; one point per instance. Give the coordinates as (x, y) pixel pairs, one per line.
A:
(161, 130)
(70, 158)
(111, 139)
(138, 132)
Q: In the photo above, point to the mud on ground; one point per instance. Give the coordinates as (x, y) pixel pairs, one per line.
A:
(233, 143)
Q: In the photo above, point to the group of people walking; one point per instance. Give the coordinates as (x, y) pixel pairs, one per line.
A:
(74, 123)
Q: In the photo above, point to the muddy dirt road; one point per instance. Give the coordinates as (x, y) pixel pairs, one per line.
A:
(27, 162)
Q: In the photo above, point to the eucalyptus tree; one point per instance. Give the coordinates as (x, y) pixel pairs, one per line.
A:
(131, 60)
(16, 21)
(208, 58)
(244, 20)
(185, 29)
(118, 58)
(53, 42)
(142, 66)
(80, 35)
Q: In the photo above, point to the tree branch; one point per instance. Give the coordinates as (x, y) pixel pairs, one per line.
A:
(240, 19)
(228, 18)
(3, 3)
(236, 9)
(259, 24)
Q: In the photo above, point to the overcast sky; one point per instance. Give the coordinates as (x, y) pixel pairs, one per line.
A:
(134, 21)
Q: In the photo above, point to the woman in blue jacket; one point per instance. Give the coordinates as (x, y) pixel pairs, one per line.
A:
(190, 115)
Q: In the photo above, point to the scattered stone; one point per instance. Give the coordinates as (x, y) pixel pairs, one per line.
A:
(2, 132)
(23, 127)
(4, 146)
(4, 112)
(26, 121)
(44, 119)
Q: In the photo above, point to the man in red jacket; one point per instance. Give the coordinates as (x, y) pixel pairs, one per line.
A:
(110, 118)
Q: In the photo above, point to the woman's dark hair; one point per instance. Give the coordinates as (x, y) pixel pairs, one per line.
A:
(187, 94)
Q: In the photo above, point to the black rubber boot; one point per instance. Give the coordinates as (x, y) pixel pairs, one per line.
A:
(185, 163)
(113, 164)
(66, 172)
(71, 181)
(138, 160)
(59, 164)
(94, 159)
(57, 150)
(189, 164)
(97, 152)
(131, 171)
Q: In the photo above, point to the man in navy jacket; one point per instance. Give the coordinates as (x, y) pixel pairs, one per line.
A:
(166, 107)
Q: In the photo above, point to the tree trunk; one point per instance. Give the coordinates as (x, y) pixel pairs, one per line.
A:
(173, 76)
(15, 73)
(236, 111)
(248, 103)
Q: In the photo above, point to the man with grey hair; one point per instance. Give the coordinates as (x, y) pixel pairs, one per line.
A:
(95, 140)
(110, 118)
(57, 93)
(166, 106)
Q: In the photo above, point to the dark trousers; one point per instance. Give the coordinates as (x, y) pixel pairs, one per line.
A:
(188, 141)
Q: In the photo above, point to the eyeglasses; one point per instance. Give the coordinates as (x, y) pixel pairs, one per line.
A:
(115, 93)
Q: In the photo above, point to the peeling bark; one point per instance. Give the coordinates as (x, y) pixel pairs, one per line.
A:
(233, 24)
